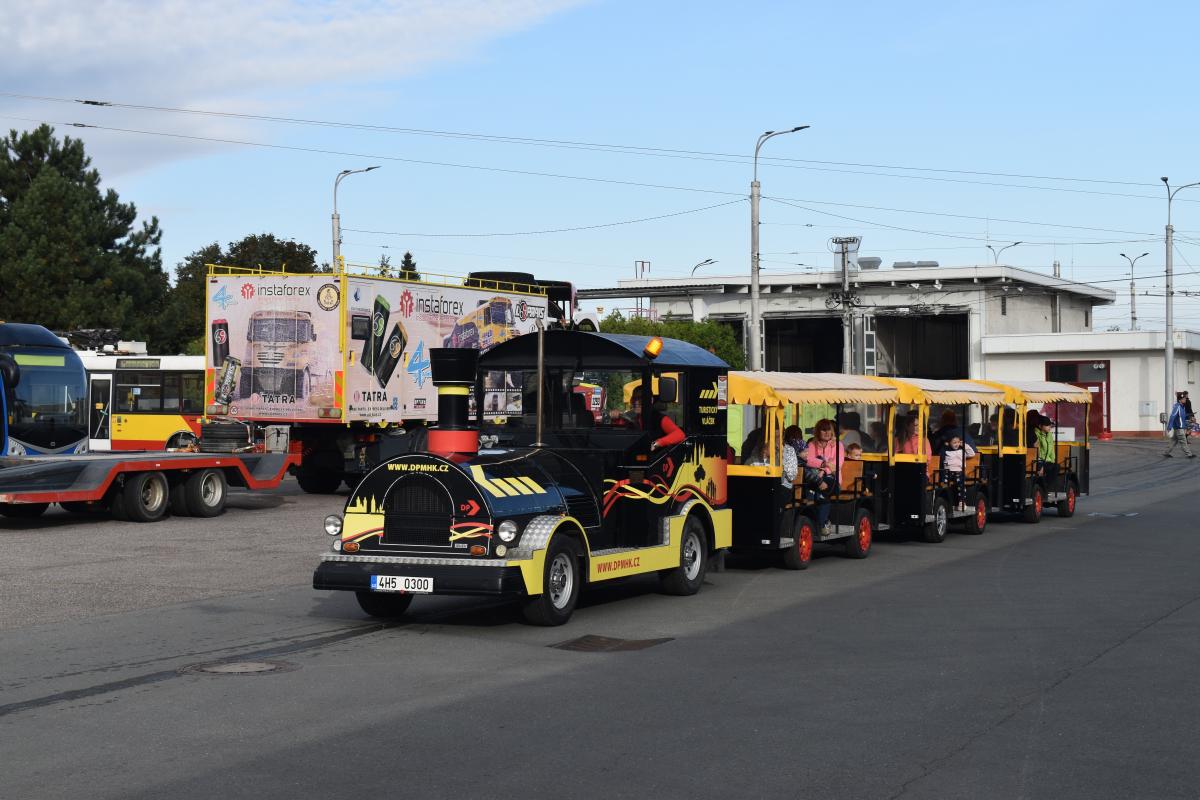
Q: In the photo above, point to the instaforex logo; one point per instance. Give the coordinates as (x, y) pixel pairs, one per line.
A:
(280, 290)
(440, 305)
(247, 290)
(406, 304)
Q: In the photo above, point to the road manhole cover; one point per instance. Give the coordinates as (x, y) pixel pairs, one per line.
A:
(605, 644)
(239, 667)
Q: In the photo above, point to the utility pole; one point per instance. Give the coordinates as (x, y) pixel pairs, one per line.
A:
(1056, 323)
(847, 301)
(754, 335)
(640, 268)
(1169, 350)
(1132, 291)
(337, 221)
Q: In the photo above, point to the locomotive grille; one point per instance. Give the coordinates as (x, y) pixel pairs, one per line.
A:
(419, 512)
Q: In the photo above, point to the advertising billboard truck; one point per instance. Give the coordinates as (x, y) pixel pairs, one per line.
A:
(342, 359)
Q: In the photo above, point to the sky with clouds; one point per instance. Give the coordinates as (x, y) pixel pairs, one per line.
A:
(937, 129)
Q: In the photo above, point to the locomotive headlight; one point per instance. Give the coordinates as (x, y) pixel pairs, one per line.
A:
(333, 525)
(507, 530)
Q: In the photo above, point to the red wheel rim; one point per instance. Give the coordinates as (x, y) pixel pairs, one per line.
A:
(864, 534)
(805, 544)
(1037, 503)
(980, 514)
(1071, 499)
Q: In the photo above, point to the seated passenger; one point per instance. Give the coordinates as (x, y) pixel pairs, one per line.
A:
(850, 422)
(751, 445)
(760, 457)
(661, 423)
(909, 441)
(949, 424)
(825, 453)
(878, 437)
(854, 452)
(631, 417)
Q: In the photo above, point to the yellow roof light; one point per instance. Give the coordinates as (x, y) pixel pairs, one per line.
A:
(653, 348)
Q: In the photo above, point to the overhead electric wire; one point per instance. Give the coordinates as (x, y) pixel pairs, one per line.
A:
(550, 230)
(794, 163)
(534, 173)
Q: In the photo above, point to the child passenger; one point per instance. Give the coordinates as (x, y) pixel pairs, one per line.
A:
(953, 457)
(854, 451)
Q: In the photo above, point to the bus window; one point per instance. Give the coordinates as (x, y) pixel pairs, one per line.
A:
(139, 391)
(192, 392)
(170, 391)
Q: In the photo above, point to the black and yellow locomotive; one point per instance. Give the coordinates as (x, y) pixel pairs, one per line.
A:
(558, 484)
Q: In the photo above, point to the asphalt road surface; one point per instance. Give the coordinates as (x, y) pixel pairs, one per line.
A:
(1057, 660)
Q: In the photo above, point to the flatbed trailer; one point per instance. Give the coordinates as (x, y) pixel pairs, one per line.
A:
(141, 487)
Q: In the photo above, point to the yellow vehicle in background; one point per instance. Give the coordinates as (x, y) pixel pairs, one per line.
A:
(489, 324)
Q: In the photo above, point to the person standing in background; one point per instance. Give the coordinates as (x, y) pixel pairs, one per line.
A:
(1177, 427)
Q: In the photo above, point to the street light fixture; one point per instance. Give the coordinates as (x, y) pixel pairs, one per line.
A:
(1132, 294)
(337, 221)
(755, 313)
(706, 262)
(1169, 352)
(996, 253)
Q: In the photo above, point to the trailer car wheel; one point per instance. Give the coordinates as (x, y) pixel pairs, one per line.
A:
(146, 496)
(560, 585)
(935, 531)
(23, 510)
(1033, 512)
(205, 493)
(383, 605)
(979, 515)
(116, 505)
(799, 555)
(859, 544)
(693, 558)
(1066, 507)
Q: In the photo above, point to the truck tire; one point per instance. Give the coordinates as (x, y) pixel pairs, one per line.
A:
(179, 507)
(693, 557)
(935, 531)
(383, 605)
(223, 437)
(561, 581)
(205, 492)
(318, 481)
(799, 555)
(146, 496)
(23, 510)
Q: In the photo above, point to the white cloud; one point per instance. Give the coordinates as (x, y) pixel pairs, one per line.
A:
(230, 55)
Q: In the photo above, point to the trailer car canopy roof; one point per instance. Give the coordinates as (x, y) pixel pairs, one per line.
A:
(947, 392)
(1041, 392)
(781, 388)
(580, 350)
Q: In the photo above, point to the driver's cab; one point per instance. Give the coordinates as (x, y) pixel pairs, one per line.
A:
(602, 399)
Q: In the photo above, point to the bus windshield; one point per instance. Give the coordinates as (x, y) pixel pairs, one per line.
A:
(47, 410)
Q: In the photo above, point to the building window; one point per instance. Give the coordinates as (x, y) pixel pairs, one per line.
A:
(1191, 372)
(1087, 318)
(1004, 306)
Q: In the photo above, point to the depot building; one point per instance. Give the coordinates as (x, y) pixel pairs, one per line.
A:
(915, 319)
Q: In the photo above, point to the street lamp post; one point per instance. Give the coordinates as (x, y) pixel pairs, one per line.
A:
(337, 221)
(1169, 353)
(996, 253)
(1132, 293)
(706, 262)
(755, 312)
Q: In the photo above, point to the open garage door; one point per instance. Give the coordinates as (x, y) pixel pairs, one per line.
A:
(922, 346)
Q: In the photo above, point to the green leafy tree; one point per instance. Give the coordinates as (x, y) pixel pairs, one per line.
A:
(385, 266)
(712, 336)
(408, 267)
(72, 255)
(267, 251)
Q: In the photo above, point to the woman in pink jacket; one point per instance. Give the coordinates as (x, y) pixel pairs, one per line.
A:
(825, 452)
